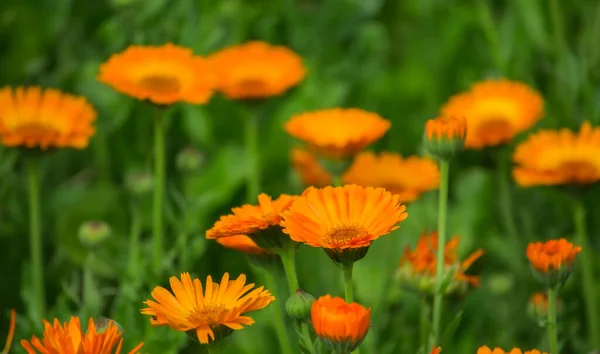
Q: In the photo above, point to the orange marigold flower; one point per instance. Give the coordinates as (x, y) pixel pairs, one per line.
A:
(69, 338)
(311, 172)
(496, 111)
(257, 70)
(554, 157)
(32, 118)
(341, 326)
(241, 243)
(337, 132)
(407, 177)
(11, 331)
(216, 309)
(552, 255)
(163, 75)
(486, 350)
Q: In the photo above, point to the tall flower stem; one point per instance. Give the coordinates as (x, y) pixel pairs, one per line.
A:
(337, 180)
(552, 327)
(505, 197)
(424, 322)
(589, 279)
(348, 285)
(439, 272)
(35, 237)
(252, 155)
(159, 190)
(279, 320)
(134, 243)
(288, 259)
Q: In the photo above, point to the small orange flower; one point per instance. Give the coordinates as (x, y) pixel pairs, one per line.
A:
(552, 255)
(337, 132)
(257, 70)
(215, 309)
(555, 157)
(11, 331)
(341, 326)
(163, 75)
(241, 243)
(407, 177)
(32, 118)
(311, 172)
(496, 111)
(486, 350)
(446, 128)
(70, 339)
(435, 350)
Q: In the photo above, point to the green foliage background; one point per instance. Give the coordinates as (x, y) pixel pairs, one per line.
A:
(402, 59)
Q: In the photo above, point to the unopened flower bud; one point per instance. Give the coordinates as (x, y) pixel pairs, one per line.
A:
(190, 159)
(298, 305)
(445, 136)
(102, 323)
(93, 233)
(139, 182)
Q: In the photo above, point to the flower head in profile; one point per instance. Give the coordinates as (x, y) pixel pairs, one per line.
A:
(36, 118)
(343, 220)
(256, 70)
(311, 172)
(69, 338)
(445, 136)
(557, 157)
(338, 132)
(496, 111)
(486, 350)
(418, 266)
(341, 326)
(211, 312)
(242, 243)
(552, 261)
(163, 75)
(408, 177)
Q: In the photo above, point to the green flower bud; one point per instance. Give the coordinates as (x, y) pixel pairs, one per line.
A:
(190, 160)
(93, 233)
(445, 136)
(139, 182)
(298, 305)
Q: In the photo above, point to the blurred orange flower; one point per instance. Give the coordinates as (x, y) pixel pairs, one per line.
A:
(163, 75)
(539, 302)
(33, 118)
(407, 177)
(311, 172)
(337, 132)
(70, 339)
(554, 157)
(446, 128)
(215, 309)
(552, 255)
(341, 326)
(435, 350)
(486, 350)
(256, 70)
(496, 111)
(241, 243)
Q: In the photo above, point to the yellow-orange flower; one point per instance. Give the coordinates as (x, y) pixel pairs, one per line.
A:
(554, 157)
(552, 255)
(486, 350)
(496, 111)
(241, 243)
(256, 70)
(337, 132)
(70, 339)
(311, 172)
(407, 177)
(341, 326)
(32, 118)
(163, 75)
(217, 306)
(11, 331)
(446, 128)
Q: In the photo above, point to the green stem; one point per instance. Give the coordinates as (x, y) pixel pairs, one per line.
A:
(306, 334)
(337, 181)
(439, 273)
(252, 156)
(589, 279)
(212, 348)
(35, 238)
(91, 305)
(491, 34)
(288, 259)
(279, 320)
(505, 197)
(134, 243)
(552, 326)
(348, 285)
(159, 190)
(424, 322)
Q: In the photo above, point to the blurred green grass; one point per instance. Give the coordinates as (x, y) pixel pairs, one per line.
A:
(402, 59)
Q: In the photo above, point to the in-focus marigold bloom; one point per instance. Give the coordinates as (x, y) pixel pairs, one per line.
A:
(407, 177)
(163, 75)
(555, 157)
(341, 326)
(311, 172)
(486, 350)
(34, 118)
(552, 255)
(214, 309)
(256, 70)
(418, 266)
(69, 338)
(242, 243)
(496, 111)
(11, 331)
(337, 132)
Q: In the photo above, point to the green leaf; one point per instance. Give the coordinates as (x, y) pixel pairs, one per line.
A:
(451, 328)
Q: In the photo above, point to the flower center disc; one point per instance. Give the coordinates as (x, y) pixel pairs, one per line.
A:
(252, 85)
(208, 314)
(160, 84)
(579, 170)
(32, 129)
(495, 130)
(341, 235)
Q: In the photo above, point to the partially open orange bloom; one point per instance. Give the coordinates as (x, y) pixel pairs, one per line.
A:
(311, 172)
(192, 308)
(69, 338)
(555, 157)
(241, 243)
(486, 350)
(163, 75)
(337, 132)
(552, 255)
(345, 217)
(539, 301)
(446, 128)
(496, 111)
(339, 324)
(248, 219)
(407, 177)
(256, 70)
(11, 331)
(34, 118)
